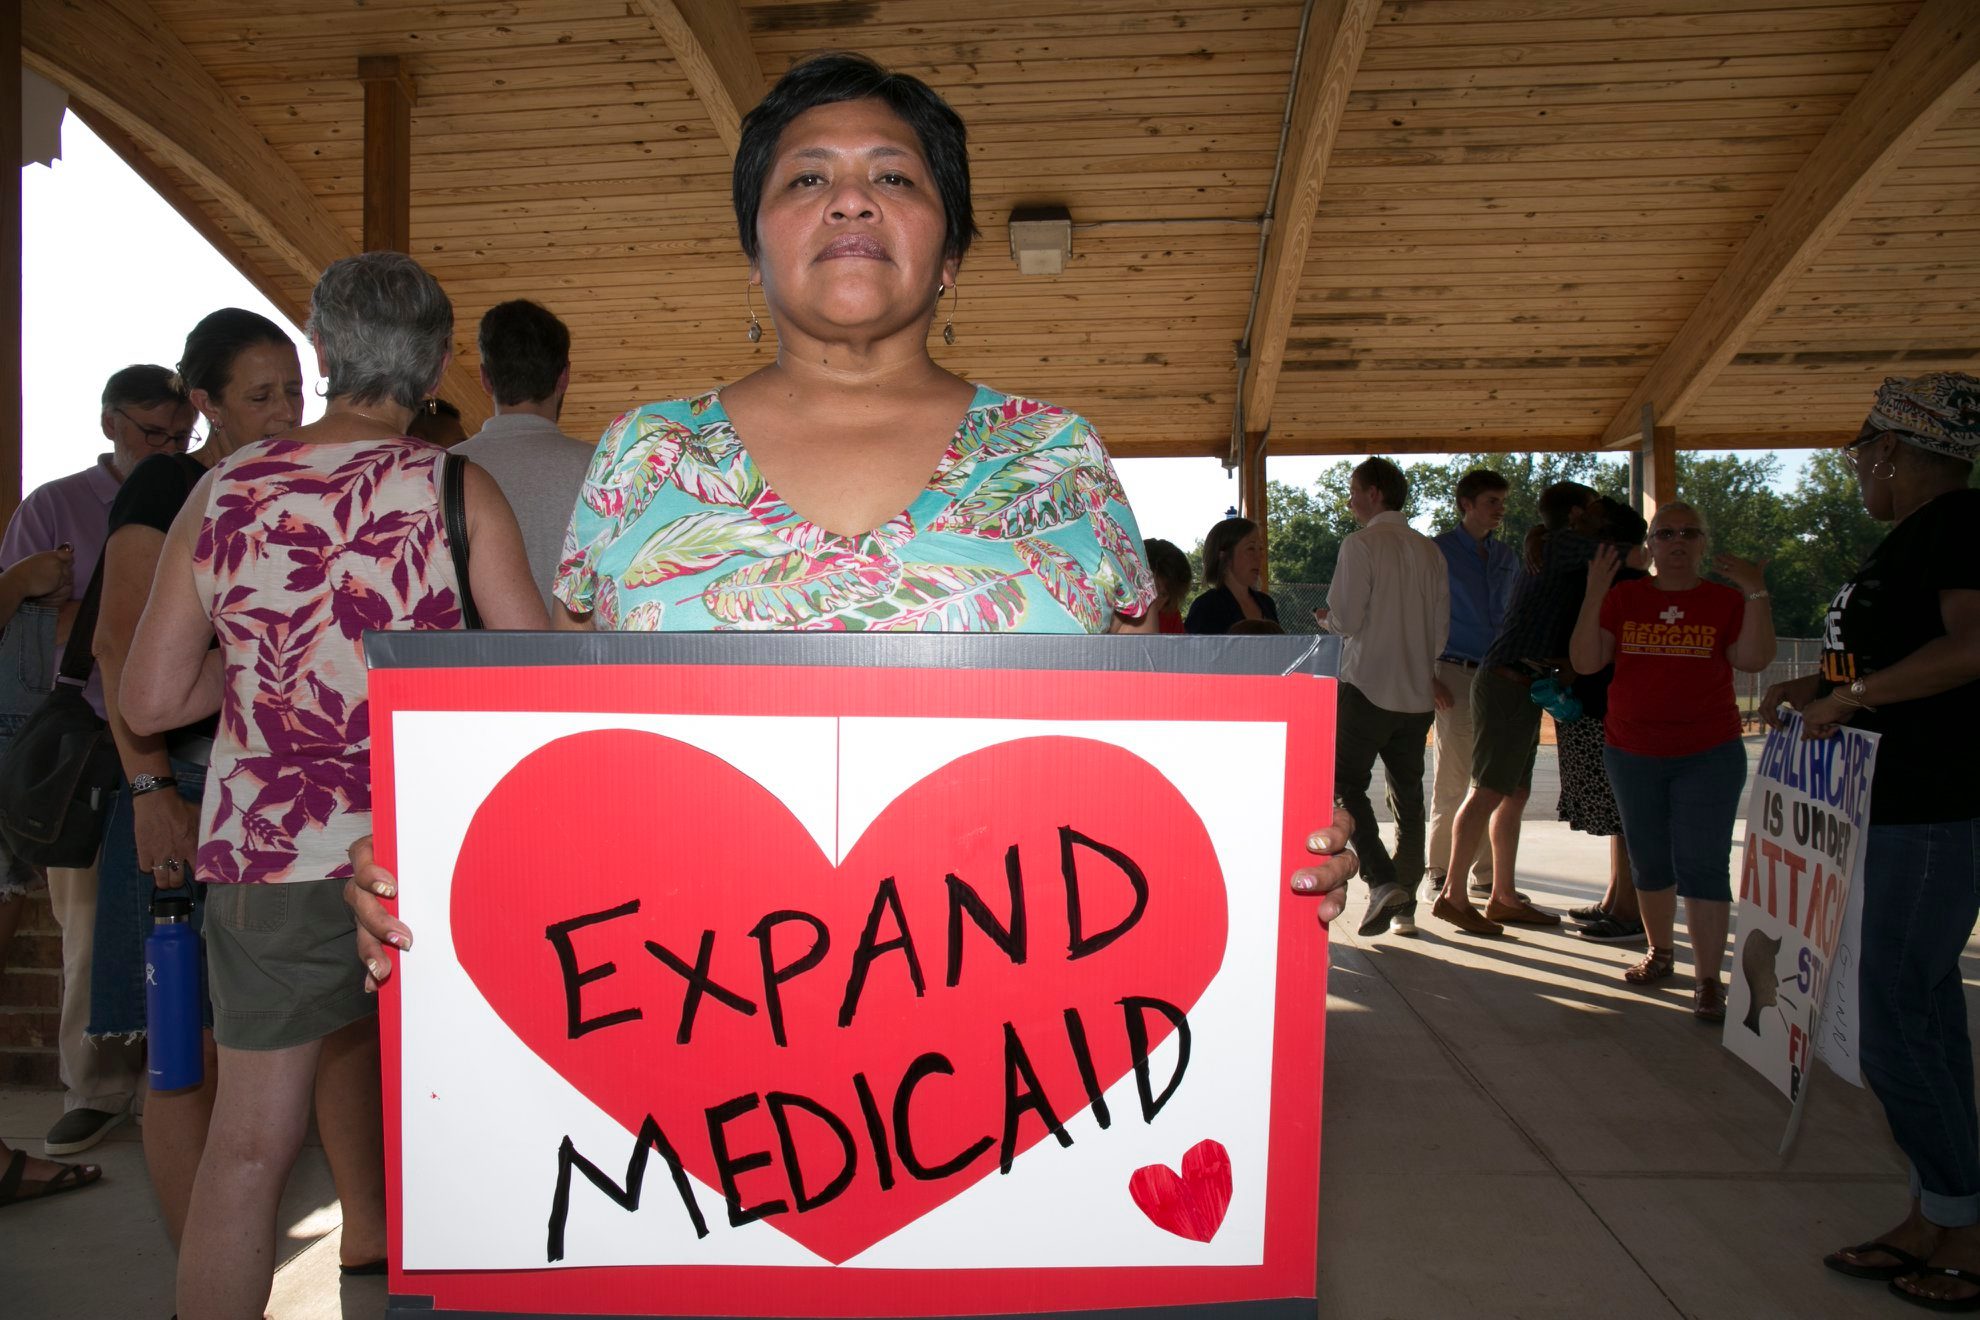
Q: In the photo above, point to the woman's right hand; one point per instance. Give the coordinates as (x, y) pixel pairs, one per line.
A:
(1794, 692)
(1602, 570)
(167, 836)
(377, 929)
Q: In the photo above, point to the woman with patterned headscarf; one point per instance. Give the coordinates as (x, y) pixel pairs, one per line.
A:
(1901, 657)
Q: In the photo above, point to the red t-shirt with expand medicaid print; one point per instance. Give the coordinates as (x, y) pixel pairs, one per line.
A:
(1673, 690)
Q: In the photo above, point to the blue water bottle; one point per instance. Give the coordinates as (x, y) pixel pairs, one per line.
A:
(171, 994)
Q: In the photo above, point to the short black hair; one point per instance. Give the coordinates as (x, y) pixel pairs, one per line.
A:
(1559, 501)
(1387, 479)
(524, 348)
(208, 360)
(844, 76)
(1477, 482)
(1618, 523)
(141, 385)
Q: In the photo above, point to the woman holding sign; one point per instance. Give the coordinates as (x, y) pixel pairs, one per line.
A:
(853, 483)
(1674, 753)
(1901, 658)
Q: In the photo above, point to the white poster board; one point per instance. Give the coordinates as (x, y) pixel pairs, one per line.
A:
(1799, 906)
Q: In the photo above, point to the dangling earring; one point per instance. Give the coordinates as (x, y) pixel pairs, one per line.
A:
(755, 331)
(1884, 462)
(948, 326)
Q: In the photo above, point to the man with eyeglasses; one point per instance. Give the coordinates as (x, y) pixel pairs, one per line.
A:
(144, 413)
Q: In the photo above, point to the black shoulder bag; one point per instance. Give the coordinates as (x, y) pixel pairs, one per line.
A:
(453, 510)
(61, 772)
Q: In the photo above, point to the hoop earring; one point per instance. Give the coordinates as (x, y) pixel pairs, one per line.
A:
(1884, 462)
(755, 330)
(323, 389)
(948, 326)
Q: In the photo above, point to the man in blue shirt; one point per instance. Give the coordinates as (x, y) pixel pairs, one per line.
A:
(1483, 572)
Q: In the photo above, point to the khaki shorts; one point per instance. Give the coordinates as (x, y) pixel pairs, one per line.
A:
(1505, 734)
(282, 964)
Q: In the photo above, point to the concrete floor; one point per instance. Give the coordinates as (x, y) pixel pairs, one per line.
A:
(1510, 1131)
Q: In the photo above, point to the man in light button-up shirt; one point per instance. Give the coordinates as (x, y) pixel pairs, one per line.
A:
(1390, 602)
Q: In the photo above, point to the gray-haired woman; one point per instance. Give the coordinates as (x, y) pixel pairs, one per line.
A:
(288, 551)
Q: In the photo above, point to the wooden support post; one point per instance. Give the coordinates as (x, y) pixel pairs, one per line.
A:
(1659, 469)
(10, 263)
(388, 103)
(1252, 501)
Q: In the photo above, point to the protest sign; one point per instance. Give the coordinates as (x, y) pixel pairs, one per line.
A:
(784, 976)
(1800, 905)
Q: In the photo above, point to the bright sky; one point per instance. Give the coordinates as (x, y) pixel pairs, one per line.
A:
(113, 276)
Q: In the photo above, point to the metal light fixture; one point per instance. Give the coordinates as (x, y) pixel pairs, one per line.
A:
(1041, 239)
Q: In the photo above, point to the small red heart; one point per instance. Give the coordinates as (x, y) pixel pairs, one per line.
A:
(595, 822)
(1191, 1205)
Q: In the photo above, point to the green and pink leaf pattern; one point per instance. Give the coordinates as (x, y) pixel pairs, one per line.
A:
(696, 543)
(938, 598)
(787, 591)
(1066, 580)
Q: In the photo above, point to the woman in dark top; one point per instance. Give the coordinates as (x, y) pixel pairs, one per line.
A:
(1233, 557)
(1901, 657)
(241, 372)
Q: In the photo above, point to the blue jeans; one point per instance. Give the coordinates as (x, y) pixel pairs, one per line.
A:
(1677, 816)
(1921, 894)
(123, 917)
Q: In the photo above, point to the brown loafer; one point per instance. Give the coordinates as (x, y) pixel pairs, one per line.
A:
(1465, 918)
(1520, 913)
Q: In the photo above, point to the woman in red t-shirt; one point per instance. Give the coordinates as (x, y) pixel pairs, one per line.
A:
(1674, 752)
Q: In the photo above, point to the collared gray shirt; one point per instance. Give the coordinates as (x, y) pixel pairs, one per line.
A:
(539, 469)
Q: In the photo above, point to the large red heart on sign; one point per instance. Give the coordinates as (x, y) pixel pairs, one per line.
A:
(840, 1049)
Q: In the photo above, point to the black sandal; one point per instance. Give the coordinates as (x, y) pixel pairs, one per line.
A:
(72, 1178)
(1906, 1262)
(1968, 1303)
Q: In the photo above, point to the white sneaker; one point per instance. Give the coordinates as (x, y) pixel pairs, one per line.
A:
(1404, 922)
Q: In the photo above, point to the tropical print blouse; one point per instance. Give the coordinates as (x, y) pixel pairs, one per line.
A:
(302, 547)
(1023, 527)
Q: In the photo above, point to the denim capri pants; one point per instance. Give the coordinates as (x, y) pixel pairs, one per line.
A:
(1678, 814)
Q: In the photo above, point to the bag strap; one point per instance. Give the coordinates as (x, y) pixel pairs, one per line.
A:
(453, 509)
(79, 656)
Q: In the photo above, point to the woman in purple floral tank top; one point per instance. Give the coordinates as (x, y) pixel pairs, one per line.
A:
(287, 552)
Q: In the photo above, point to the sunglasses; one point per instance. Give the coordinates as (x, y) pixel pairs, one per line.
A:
(1678, 533)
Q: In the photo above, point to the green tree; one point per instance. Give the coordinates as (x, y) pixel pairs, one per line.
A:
(1305, 528)
(1826, 533)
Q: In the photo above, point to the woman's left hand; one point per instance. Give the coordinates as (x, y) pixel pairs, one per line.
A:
(1746, 574)
(1822, 717)
(1327, 881)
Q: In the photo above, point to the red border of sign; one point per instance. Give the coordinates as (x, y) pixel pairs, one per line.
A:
(1304, 704)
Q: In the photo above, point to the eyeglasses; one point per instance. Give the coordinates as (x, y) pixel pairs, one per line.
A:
(1853, 451)
(1678, 533)
(157, 435)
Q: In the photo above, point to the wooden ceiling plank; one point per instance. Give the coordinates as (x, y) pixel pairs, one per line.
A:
(1931, 71)
(711, 45)
(115, 58)
(1335, 38)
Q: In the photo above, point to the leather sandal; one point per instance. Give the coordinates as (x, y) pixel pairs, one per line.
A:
(1708, 1002)
(1653, 967)
(16, 1187)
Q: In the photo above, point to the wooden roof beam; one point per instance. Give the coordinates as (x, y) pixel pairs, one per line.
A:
(710, 42)
(1931, 71)
(1336, 34)
(118, 59)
